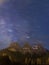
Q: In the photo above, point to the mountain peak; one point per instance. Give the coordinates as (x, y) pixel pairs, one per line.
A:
(14, 46)
(38, 48)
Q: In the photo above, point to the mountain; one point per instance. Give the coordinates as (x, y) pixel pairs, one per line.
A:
(38, 48)
(14, 47)
(12, 54)
(26, 48)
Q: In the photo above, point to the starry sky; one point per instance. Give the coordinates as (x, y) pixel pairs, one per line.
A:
(24, 20)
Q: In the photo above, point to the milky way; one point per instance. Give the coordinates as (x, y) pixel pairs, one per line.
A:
(24, 20)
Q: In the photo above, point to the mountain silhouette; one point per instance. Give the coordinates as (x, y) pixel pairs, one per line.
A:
(16, 54)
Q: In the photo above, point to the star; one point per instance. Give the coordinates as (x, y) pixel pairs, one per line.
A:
(27, 37)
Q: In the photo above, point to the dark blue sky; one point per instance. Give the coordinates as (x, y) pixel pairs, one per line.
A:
(22, 20)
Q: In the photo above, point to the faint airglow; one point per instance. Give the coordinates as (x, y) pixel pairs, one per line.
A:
(2, 1)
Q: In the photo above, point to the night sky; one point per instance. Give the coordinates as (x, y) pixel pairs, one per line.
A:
(24, 20)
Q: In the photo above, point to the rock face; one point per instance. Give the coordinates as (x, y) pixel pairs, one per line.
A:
(35, 54)
(14, 47)
(26, 48)
(37, 48)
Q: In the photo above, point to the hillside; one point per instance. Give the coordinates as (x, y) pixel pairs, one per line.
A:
(36, 55)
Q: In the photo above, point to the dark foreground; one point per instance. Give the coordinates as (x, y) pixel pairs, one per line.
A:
(24, 56)
(6, 61)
